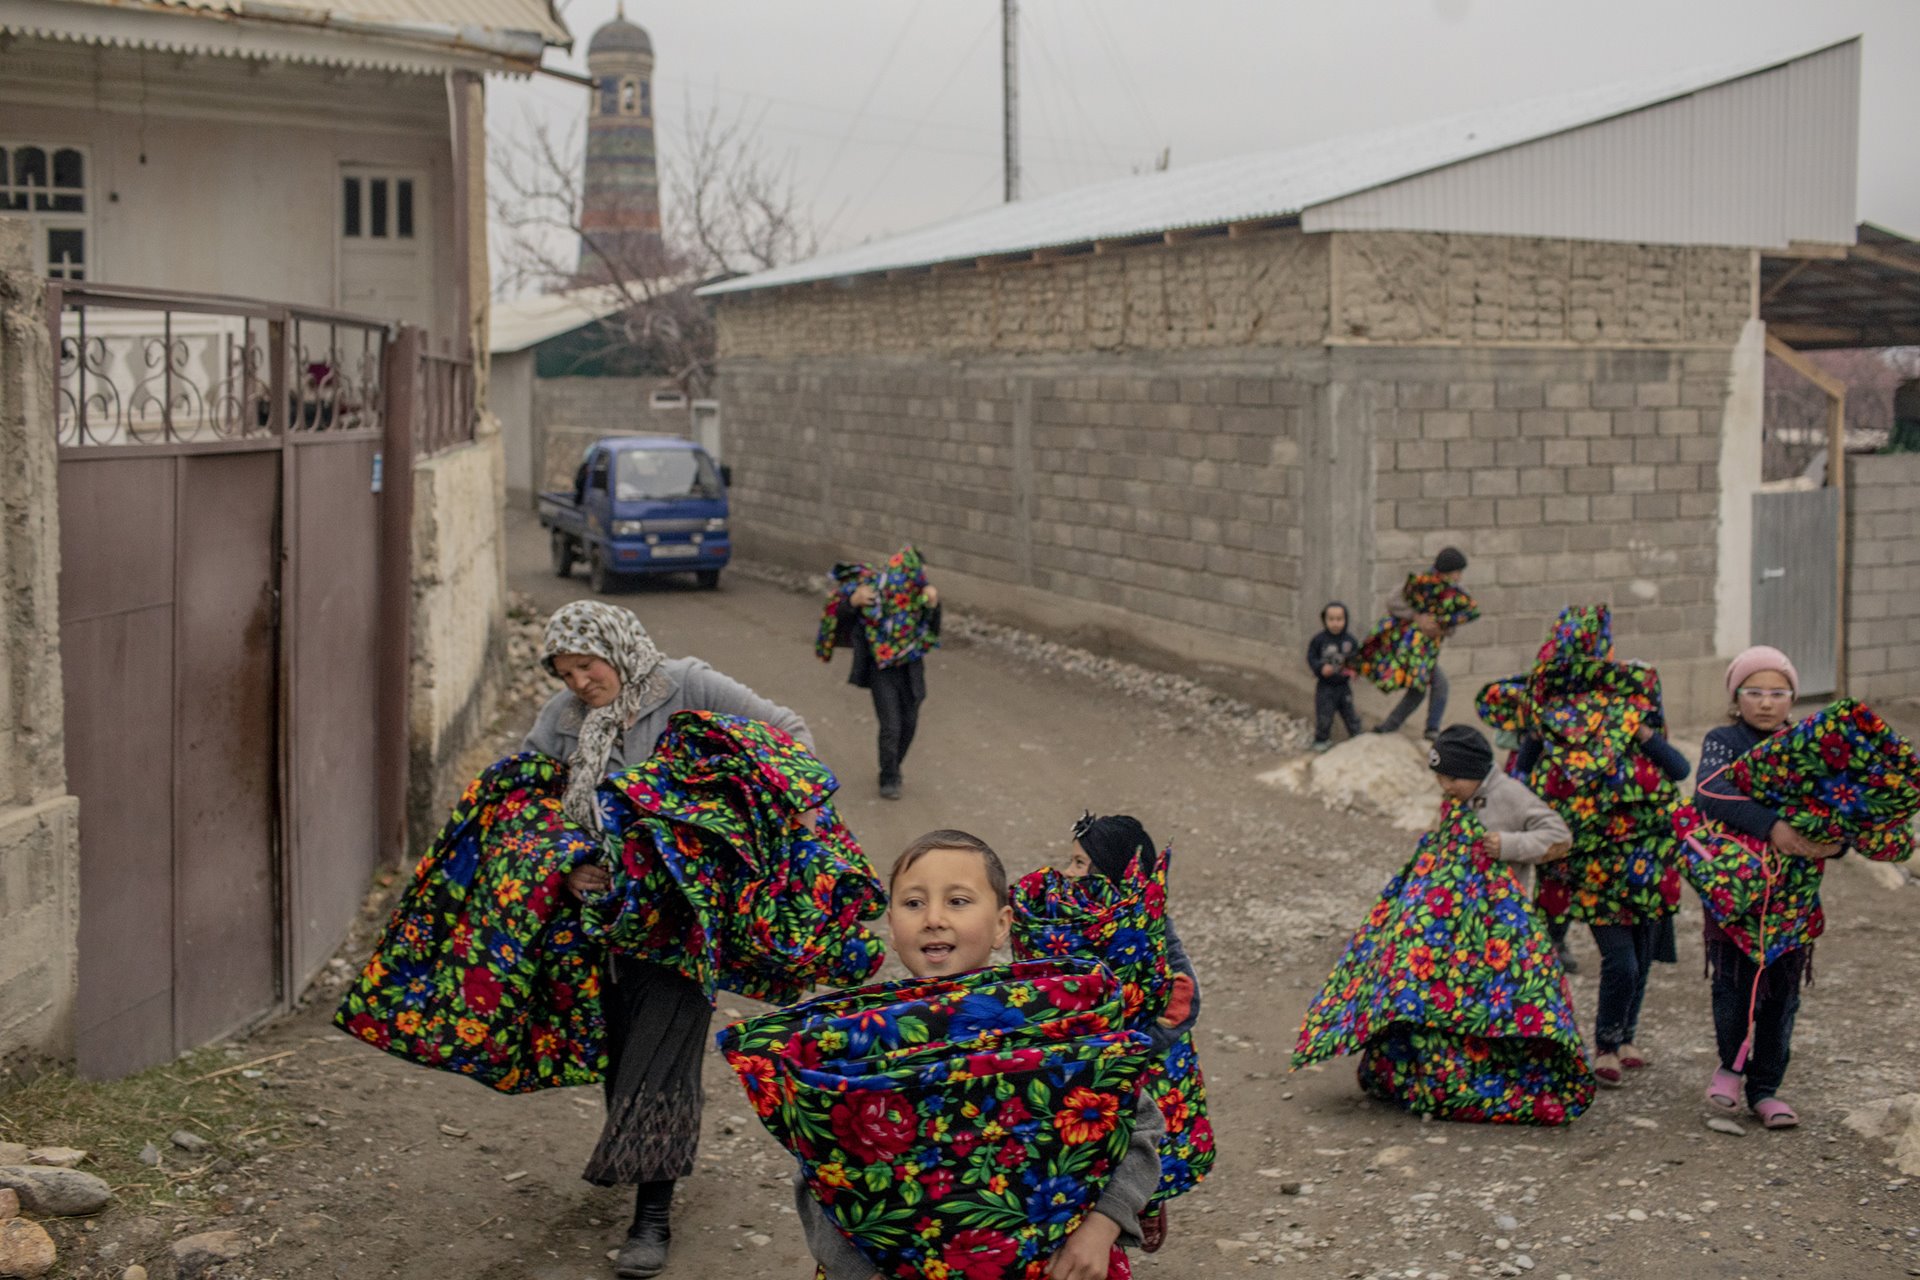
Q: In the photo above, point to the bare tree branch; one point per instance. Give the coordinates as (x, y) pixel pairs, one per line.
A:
(728, 210)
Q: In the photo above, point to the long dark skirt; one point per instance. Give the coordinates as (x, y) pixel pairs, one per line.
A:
(657, 1024)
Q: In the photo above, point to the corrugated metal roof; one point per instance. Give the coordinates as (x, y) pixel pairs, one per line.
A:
(1272, 185)
(535, 16)
(526, 322)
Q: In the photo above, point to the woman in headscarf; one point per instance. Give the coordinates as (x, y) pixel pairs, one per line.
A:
(620, 693)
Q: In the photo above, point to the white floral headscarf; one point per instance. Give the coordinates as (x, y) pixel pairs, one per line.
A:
(614, 635)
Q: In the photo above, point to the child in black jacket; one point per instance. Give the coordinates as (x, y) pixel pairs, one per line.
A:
(1327, 656)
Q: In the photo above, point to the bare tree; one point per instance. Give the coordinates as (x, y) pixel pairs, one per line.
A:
(728, 210)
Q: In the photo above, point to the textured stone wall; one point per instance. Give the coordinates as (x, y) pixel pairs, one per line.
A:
(459, 614)
(571, 413)
(1883, 577)
(1421, 287)
(39, 830)
(1566, 477)
(1268, 289)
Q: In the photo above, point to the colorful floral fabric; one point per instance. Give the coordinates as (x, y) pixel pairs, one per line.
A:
(1841, 776)
(484, 970)
(720, 880)
(899, 623)
(1398, 655)
(952, 1127)
(1587, 707)
(1451, 994)
(1123, 926)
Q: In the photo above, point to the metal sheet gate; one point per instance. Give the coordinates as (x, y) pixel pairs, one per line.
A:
(222, 562)
(1795, 607)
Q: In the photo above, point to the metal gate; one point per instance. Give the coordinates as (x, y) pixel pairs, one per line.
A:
(1796, 536)
(221, 599)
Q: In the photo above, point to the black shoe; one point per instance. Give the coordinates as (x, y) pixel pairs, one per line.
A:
(1431, 734)
(645, 1253)
(890, 789)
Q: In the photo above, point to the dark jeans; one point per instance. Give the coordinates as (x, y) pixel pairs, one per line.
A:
(1330, 696)
(1410, 702)
(1626, 957)
(1779, 1000)
(898, 710)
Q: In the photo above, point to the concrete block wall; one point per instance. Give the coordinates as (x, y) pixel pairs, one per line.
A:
(571, 413)
(1160, 496)
(1566, 477)
(1883, 577)
(39, 821)
(459, 615)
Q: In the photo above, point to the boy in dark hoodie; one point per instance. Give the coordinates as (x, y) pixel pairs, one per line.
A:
(1327, 656)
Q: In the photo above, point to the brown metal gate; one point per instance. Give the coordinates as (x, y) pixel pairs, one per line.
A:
(222, 623)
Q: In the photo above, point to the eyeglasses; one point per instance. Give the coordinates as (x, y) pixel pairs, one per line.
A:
(1767, 695)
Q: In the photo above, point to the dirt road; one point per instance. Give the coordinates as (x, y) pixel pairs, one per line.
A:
(415, 1174)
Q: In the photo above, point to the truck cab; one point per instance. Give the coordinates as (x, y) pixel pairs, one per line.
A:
(641, 505)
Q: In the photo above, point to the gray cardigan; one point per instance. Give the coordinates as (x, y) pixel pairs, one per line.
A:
(1527, 825)
(1126, 1196)
(695, 687)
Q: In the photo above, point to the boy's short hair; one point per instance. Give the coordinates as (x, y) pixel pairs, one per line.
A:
(946, 838)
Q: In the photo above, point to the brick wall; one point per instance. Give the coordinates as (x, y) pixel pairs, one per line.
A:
(1555, 409)
(1420, 287)
(1883, 577)
(1566, 477)
(1269, 289)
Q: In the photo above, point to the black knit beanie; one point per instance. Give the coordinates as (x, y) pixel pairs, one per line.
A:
(1111, 842)
(1461, 751)
(1449, 561)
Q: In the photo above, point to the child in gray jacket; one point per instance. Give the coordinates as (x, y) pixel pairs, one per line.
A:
(1521, 827)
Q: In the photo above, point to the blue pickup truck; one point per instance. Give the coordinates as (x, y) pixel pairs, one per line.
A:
(641, 505)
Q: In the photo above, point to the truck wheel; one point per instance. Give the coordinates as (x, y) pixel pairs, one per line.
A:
(599, 577)
(709, 578)
(562, 554)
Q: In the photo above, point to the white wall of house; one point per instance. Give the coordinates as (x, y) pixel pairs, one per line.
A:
(510, 391)
(222, 175)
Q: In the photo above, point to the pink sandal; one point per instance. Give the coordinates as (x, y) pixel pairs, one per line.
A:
(1607, 1072)
(1633, 1058)
(1775, 1114)
(1723, 1091)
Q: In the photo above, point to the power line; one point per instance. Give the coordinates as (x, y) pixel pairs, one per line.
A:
(886, 65)
(952, 76)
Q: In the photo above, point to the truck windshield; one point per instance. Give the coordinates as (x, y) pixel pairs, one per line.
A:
(652, 475)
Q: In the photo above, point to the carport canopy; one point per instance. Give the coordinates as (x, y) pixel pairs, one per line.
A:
(1822, 297)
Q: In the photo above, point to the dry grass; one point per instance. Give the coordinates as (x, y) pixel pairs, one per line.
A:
(114, 1121)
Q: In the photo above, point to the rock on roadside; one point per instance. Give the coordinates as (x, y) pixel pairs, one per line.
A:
(25, 1248)
(9, 1204)
(58, 1157)
(56, 1193)
(197, 1256)
(1895, 1121)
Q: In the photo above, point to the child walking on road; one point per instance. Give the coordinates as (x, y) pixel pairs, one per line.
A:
(890, 614)
(1328, 654)
(1404, 650)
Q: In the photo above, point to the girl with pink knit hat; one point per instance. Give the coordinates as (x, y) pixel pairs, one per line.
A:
(1762, 685)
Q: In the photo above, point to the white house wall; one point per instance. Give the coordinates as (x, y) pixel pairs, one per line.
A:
(215, 175)
(1763, 161)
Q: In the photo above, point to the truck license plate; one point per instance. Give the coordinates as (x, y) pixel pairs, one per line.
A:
(673, 550)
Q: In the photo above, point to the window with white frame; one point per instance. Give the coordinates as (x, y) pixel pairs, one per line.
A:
(47, 185)
(376, 206)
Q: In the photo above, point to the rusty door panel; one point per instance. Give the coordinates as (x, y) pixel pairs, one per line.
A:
(226, 789)
(332, 585)
(116, 650)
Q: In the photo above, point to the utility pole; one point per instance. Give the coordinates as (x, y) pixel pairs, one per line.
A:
(1010, 96)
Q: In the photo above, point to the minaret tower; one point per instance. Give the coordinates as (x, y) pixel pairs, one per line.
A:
(621, 210)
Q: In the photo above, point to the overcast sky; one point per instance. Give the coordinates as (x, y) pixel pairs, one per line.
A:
(888, 111)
